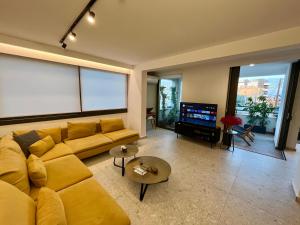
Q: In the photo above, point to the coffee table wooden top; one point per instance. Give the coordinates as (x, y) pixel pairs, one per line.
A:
(164, 170)
(117, 152)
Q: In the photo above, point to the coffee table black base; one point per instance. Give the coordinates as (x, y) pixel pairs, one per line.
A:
(144, 189)
(122, 166)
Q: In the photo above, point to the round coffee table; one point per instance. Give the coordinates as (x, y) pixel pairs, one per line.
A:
(162, 175)
(116, 152)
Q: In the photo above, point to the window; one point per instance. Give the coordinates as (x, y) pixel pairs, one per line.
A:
(36, 90)
(34, 87)
(102, 90)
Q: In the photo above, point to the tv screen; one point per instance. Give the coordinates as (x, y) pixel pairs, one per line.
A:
(199, 113)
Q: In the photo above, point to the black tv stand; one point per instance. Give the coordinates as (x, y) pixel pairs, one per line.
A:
(209, 134)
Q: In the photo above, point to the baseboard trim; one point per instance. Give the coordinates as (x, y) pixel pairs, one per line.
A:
(296, 191)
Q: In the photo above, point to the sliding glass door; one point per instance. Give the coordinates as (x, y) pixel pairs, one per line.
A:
(168, 102)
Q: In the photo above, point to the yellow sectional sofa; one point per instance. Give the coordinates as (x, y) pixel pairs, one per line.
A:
(69, 186)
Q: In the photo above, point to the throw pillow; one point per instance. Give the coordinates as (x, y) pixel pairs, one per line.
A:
(55, 133)
(13, 169)
(27, 139)
(80, 130)
(36, 171)
(7, 142)
(111, 124)
(40, 147)
(50, 208)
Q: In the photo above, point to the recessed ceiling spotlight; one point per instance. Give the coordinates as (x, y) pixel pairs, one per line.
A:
(72, 36)
(252, 64)
(91, 17)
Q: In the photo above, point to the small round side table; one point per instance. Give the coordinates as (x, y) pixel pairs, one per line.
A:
(117, 152)
(231, 133)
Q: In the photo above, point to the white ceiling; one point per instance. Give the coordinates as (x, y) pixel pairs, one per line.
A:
(266, 69)
(134, 31)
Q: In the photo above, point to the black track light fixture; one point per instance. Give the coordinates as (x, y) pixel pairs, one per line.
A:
(72, 36)
(90, 17)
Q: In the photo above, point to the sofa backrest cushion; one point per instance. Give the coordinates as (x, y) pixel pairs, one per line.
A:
(111, 124)
(80, 130)
(55, 133)
(50, 209)
(8, 143)
(27, 139)
(42, 146)
(15, 206)
(13, 169)
(36, 171)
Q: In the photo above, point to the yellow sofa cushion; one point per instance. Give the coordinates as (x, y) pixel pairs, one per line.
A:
(86, 143)
(8, 142)
(17, 208)
(42, 146)
(55, 133)
(94, 207)
(111, 124)
(50, 209)
(13, 169)
(36, 171)
(57, 151)
(65, 171)
(121, 134)
(80, 130)
(94, 151)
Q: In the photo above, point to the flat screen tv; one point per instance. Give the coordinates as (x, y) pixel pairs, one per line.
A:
(198, 113)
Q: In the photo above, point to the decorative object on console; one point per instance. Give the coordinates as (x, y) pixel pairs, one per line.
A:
(124, 148)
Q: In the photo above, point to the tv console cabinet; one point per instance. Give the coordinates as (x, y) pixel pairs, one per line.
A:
(209, 134)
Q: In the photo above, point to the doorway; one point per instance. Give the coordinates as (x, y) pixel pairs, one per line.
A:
(169, 96)
(260, 103)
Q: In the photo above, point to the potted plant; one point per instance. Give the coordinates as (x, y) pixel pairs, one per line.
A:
(174, 112)
(258, 114)
(163, 104)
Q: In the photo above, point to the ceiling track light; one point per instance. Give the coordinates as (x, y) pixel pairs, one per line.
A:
(90, 17)
(72, 36)
(64, 45)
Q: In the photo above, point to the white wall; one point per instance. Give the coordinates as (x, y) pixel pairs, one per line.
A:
(55, 123)
(137, 101)
(206, 84)
(152, 96)
(296, 180)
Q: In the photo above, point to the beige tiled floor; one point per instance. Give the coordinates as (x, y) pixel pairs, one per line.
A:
(206, 186)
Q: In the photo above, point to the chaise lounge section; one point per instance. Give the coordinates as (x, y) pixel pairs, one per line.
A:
(59, 172)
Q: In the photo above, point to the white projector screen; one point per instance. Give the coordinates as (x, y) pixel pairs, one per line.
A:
(33, 87)
(102, 90)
